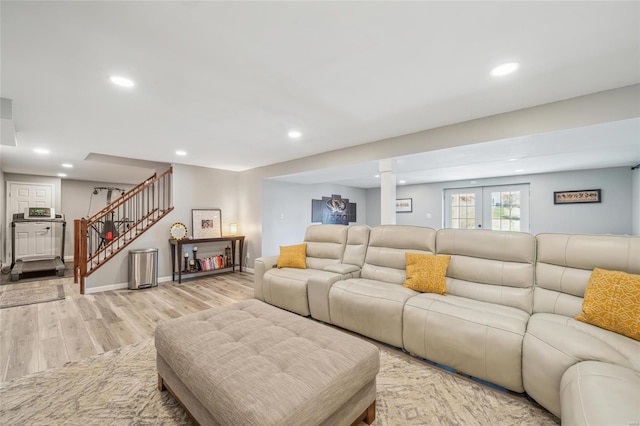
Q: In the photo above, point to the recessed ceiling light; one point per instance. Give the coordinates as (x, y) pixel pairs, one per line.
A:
(519, 170)
(504, 69)
(62, 174)
(402, 182)
(121, 81)
(181, 153)
(42, 151)
(376, 176)
(294, 134)
(512, 159)
(67, 165)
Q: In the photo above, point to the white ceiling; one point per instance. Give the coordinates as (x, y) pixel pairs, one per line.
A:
(592, 147)
(225, 81)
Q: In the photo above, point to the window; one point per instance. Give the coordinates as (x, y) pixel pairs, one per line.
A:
(463, 210)
(499, 208)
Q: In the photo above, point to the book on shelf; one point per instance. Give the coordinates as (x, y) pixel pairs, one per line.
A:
(212, 262)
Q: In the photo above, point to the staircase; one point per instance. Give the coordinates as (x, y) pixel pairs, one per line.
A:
(106, 233)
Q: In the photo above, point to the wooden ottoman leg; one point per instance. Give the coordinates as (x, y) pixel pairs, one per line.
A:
(161, 386)
(371, 413)
(368, 416)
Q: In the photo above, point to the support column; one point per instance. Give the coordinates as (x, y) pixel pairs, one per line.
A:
(387, 192)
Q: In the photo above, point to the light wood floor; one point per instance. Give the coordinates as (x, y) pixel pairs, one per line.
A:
(37, 337)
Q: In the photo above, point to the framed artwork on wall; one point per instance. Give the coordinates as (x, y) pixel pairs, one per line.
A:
(334, 209)
(573, 197)
(404, 205)
(207, 223)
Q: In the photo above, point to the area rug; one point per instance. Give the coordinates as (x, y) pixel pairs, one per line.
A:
(29, 296)
(120, 388)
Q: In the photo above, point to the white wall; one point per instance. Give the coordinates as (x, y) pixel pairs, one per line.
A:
(3, 223)
(612, 216)
(193, 188)
(635, 209)
(289, 213)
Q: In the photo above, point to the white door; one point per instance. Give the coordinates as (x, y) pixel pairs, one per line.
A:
(33, 238)
(499, 208)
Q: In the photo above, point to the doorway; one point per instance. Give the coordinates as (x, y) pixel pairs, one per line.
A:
(33, 239)
(498, 208)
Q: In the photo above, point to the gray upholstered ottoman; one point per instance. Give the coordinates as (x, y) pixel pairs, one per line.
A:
(254, 364)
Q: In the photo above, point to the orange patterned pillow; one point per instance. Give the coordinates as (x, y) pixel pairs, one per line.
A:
(293, 256)
(612, 301)
(427, 273)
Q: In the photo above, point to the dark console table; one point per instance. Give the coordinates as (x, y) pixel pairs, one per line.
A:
(177, 259)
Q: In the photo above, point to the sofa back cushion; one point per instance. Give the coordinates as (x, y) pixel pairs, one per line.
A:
(490, 266)
(325, 245)
(385, 260)
(356, 248)
(566, 261)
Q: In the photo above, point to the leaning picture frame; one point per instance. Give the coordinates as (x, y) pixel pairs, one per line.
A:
(206, 223)
(404, 205)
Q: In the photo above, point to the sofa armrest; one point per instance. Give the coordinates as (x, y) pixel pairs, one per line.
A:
(342, 268)
(260, 266)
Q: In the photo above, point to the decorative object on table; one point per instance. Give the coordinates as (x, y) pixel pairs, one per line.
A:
(186, 261)
(334, 209)
(404, 205)
(207, 223)
(573, 197)
(196, 262)
(233, 228)
(227, 255)
(178, 231)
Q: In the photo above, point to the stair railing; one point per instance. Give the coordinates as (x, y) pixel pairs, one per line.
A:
(106, 233)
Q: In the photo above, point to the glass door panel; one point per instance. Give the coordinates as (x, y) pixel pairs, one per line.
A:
(499, 208)
(461, 208)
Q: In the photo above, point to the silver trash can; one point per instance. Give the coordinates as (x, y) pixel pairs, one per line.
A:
(143, 268)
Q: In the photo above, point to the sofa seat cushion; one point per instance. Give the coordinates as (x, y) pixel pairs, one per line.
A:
(599, 393)
(553, 343)
(369, 307)
(287, 287)
(250, 363)
(477, 338)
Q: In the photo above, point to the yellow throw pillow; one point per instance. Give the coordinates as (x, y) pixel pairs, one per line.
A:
(427, 273)
(612, 301)
(293, 256)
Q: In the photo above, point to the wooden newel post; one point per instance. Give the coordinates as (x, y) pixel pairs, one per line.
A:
(80, 252)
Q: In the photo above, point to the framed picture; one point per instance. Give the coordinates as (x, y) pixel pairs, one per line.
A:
(404, 205)
(573, 197)
(207, 223)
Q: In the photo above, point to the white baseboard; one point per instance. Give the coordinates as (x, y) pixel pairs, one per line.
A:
(109, 287)
(118, 286)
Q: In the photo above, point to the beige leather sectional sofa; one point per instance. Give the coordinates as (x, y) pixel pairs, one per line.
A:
(507, 316)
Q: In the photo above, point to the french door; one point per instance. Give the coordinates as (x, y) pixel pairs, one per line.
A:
(499, 208)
